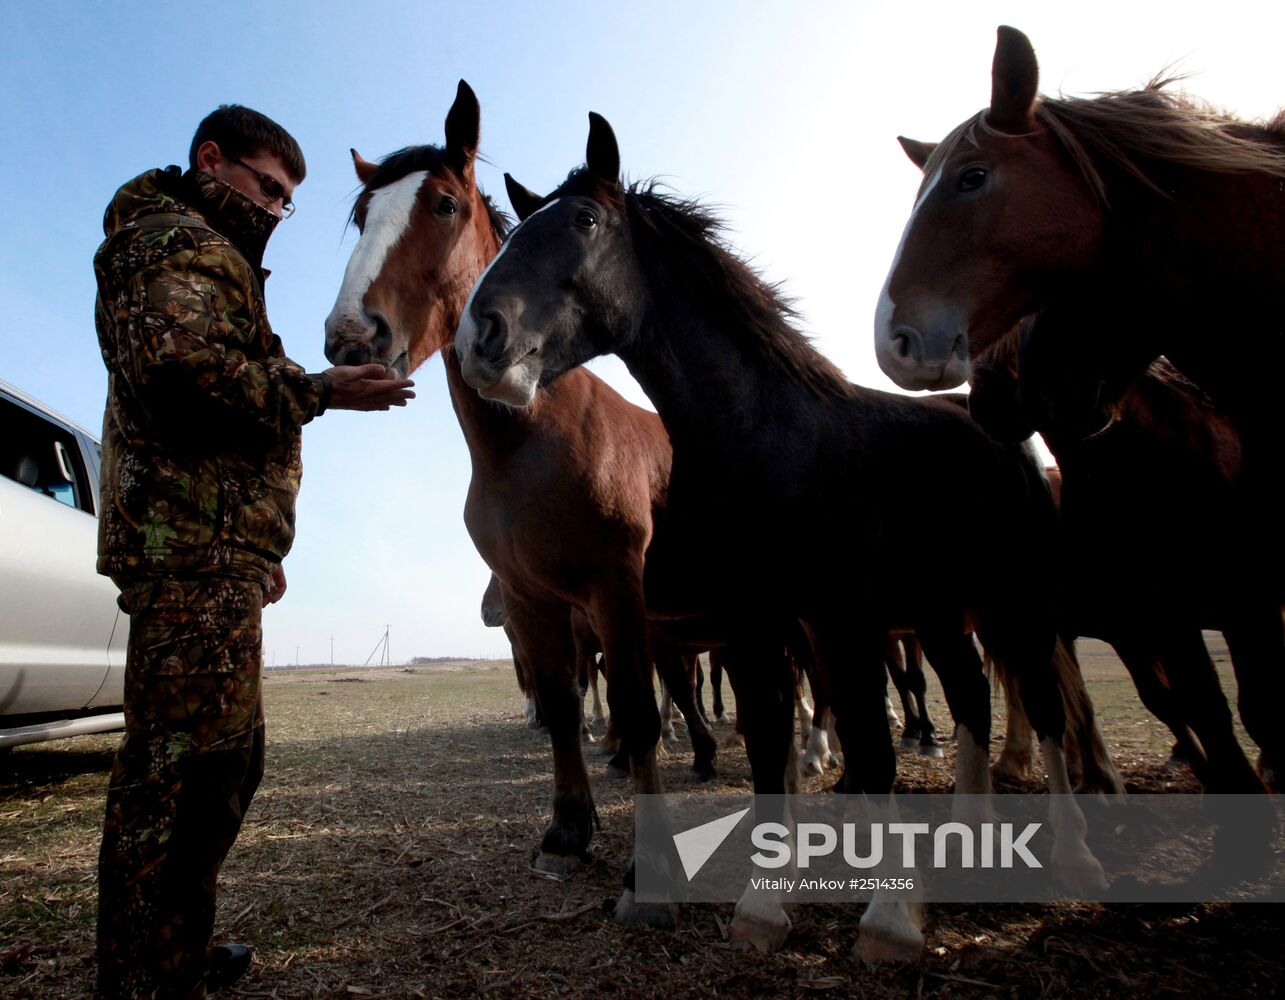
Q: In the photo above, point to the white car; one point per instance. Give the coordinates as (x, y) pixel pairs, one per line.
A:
(62, 636)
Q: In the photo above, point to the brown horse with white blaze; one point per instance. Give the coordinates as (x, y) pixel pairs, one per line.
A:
(561, 497)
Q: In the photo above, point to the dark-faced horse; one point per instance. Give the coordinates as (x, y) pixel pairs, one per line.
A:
(806, 493)
(561, 497)
(1106, 232)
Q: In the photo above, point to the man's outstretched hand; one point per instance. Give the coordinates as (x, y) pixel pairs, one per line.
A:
(366, 387)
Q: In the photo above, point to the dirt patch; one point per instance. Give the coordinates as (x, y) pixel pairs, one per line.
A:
(388, 855)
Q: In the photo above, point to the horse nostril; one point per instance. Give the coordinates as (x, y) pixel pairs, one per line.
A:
(383, 334)
(490, 335)
(907, 345)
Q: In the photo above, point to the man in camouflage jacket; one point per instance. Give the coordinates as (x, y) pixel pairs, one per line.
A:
(201, 467)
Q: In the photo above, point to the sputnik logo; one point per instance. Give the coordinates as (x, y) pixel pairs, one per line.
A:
(697, 845)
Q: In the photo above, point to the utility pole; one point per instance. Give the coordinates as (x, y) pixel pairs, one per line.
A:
(332, 650)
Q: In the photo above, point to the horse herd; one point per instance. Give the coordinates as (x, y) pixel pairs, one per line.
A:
(776, 512)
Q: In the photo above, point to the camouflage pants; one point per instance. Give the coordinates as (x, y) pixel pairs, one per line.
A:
(190, 761)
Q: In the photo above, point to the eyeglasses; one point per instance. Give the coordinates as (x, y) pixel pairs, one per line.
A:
(270, 186)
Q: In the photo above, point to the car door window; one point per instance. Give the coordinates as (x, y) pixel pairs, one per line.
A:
(43, 456)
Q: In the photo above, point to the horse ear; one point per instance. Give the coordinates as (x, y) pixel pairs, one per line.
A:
(524, 200)
(916, 150)
(365, 169)
(463, 128)
(1015, 80)
(602, 154)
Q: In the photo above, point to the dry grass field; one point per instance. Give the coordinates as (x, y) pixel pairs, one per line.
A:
(388, 855)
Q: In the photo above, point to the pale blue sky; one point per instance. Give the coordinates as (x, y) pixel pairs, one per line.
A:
(784, 114)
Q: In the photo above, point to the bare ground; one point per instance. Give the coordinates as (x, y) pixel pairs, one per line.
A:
(388, 855)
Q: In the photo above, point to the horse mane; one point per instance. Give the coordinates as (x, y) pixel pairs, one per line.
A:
(1137, 131)
(408, 160)
(683, 246)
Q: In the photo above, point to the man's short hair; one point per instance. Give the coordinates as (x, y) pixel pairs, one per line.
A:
(240, 131)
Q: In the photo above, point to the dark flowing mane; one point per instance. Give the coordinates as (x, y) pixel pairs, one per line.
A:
(681, 243)
(408, 160)
(1137, 131)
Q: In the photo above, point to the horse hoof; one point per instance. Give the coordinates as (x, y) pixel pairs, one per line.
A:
(614, 773)
(1012, 768)
(597, 721)
(630, 911)
(929, 750)
(558, 865)
(1079, 873)
(877, 946)
(724, 718)
(909, 742)
(707, 772)
(600, 749)
(764, 930)
(813, 765)
(1268, 774)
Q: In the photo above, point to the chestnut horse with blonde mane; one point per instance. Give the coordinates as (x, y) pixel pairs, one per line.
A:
(1105, 232)
(561, 498)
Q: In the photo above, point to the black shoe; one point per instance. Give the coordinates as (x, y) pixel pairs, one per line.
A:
(228, 963)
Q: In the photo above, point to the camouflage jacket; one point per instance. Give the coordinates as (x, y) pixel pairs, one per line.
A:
(201, 435)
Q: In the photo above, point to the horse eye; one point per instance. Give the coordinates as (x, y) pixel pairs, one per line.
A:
(585, 219)
(972, 178)
(447, 205)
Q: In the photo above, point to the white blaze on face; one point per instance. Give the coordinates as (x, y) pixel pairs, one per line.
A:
(884, 311)
(387, 218)
(467, 332)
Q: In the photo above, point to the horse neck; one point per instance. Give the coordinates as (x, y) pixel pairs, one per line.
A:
(713, 394)
(1190, 275)
(1217, 237)
(492, 431)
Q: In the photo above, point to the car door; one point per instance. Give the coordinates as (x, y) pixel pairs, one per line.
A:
(57, 614)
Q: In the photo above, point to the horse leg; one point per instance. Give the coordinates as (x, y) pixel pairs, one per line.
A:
(1017, 760)
(700, 691)
(817, 755)
(716, 662)
(765, 710)
(853, 667)
(1139, 658)
(618, 614)
(1243, 843)
(1203, 706)
(544, 635)
(585, 651)
(853, 674)
(804, 712)
(1025, 647)
(917, 685)
(530, 710)
(804, 665)
(1256, 640)
(1097, 771)
(667, 734)
(896, 665)
(967, 691)
(597, 719)
(676, 674)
